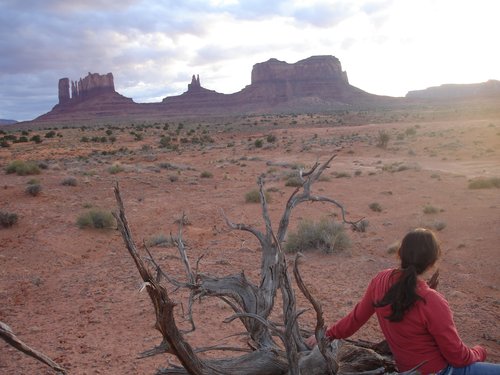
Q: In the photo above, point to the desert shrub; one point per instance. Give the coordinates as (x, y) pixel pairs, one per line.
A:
(400, 167)
(293, 180)
(165, 141)
(206, 174)
(258, 143)
(33, 181)
(358, 172)
(342, 175)
(253, 196)
(362, 225)
(325, 235)
(36, 138)
(69, 181)
(22, 168)
(50, 134)
(173, 178)
(485, 183)
(33, 189)
(411, 131)
(271, 138)
(4, 143)
(383, 139)
(393, 247)
(161, 240)
(96, 218)
(438, 225)
(430, 209)
(375, 206)
(115, 168)
(7, 219)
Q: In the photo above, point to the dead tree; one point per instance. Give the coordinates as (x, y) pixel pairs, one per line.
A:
(276, 348)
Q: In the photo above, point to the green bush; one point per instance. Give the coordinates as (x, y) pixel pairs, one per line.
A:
(253, 196)
(258, 143)
(485, 183)
(96, 218)
(326, 235)
(7, 219)
(22, 168)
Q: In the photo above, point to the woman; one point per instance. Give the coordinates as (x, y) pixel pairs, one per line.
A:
(416, 320)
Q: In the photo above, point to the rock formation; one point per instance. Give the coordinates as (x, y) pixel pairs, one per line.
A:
(322, 77)
(64, 91)
(92, 85)
(195, 83)
(317, 83)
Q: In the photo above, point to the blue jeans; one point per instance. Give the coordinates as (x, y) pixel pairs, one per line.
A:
(477, 368)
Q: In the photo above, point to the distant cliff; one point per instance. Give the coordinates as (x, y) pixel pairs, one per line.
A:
(90, 97)
(275, 85)
(457, 91)
(7, 122)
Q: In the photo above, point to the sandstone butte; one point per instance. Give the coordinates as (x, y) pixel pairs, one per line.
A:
(317, 83)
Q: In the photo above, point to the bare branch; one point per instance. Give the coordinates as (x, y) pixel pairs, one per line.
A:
(11, 339)
(265, 212)
(244, 227)
(164, 306)
(182, 252)
(319, 331)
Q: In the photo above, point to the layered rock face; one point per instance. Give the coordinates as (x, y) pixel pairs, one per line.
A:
(92, 85)
(322, 77)
(312, 69)
(64, 91)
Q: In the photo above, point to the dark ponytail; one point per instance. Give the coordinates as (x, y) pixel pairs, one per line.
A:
(419, 250)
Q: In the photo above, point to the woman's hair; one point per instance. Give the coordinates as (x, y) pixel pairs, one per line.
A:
(419, 250)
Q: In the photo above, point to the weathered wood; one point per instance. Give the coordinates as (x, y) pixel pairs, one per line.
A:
(251, 304)
(11, 339)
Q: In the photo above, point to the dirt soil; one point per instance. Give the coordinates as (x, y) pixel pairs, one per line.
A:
(74, 293)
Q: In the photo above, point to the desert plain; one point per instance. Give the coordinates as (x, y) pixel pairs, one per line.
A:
(73, 292)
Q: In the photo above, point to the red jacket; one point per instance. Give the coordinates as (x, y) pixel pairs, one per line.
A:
(426, 333)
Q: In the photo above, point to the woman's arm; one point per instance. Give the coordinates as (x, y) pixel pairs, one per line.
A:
(442, 327)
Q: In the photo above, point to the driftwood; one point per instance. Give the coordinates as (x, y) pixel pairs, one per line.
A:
(276, 348)
(11, 339)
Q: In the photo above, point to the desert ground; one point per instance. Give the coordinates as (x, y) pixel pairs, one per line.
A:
(74, 294)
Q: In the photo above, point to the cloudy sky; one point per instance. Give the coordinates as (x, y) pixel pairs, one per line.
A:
(152, 47)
